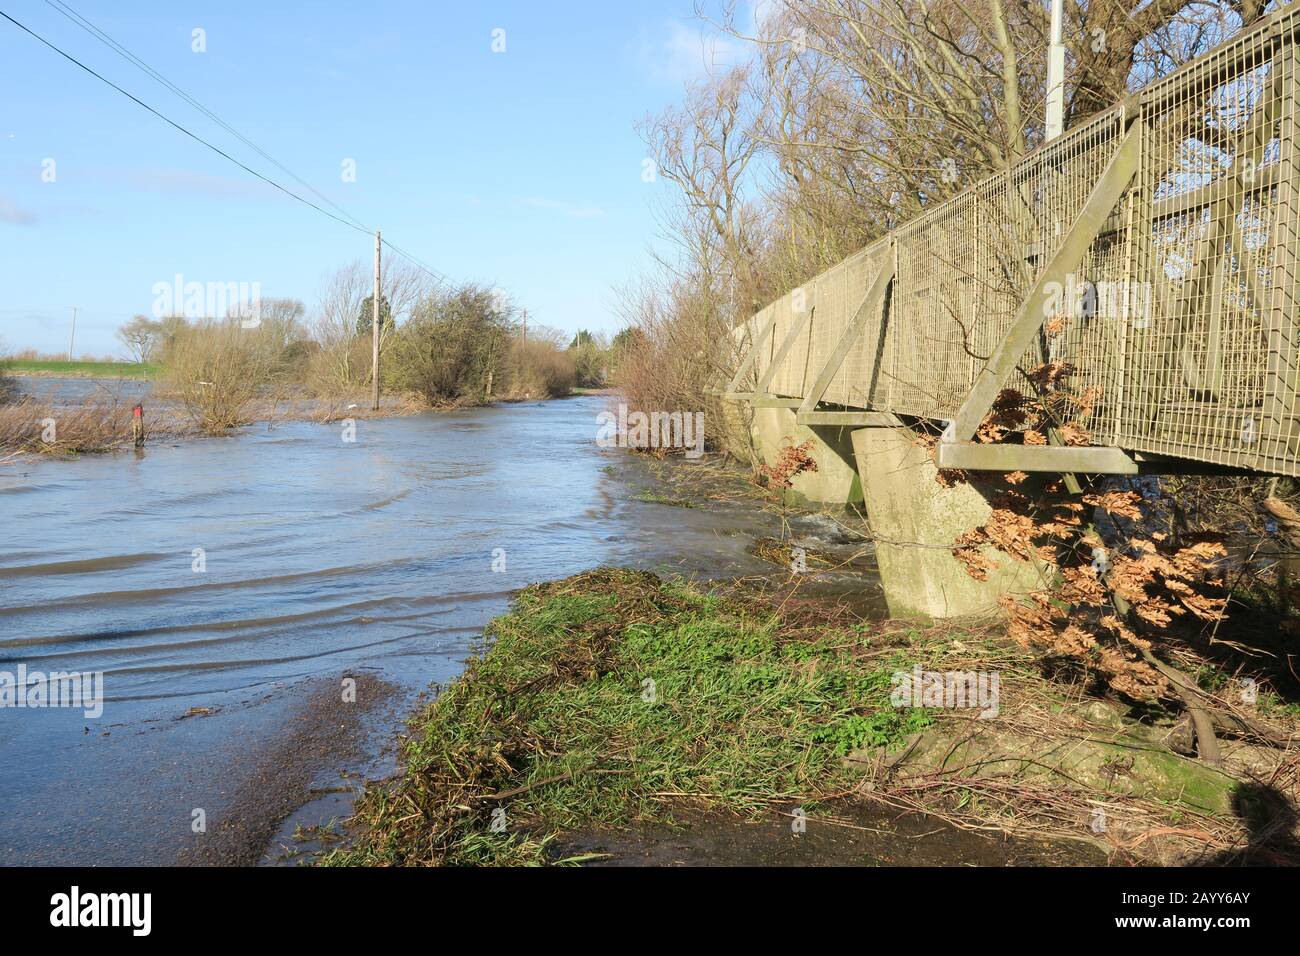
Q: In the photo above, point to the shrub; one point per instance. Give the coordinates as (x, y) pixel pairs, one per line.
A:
(214, 369)
(282, 339)
(453, 347)
(676, 345)
(8, 386)
(338, 366)
(591, 359)
(98, 424)
(537, 369)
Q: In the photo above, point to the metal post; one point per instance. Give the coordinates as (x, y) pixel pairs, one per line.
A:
(1055, 124)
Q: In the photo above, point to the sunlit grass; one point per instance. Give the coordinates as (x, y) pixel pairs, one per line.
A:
(135, 370)
(614, 698)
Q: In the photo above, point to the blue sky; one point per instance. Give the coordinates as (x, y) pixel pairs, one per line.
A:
(520, 169)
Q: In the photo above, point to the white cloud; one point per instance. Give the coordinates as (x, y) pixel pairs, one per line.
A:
(185, 182)
(683, 53)
(572, 210)
(14, 215)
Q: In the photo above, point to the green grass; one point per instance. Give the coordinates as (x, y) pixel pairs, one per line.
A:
(615, 698)
(1216, 681)
(84, 369)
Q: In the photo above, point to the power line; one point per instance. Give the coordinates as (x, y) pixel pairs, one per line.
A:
(419, 264)
(140, 64)
(351, 221)
(173, 123)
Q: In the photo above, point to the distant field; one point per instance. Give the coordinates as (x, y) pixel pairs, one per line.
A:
(81, 369)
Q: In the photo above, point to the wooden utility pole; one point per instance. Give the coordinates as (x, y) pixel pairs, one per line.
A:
(73, 337)
(525, 336)
(374, 334)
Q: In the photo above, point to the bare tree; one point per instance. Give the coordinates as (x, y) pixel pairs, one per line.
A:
(705, 147)
(344, 359)
(341, 362)
(140, 336)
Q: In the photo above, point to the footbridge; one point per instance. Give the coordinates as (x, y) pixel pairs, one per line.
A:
(1152, 250)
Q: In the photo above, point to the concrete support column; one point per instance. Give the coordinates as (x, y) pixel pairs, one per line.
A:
(836, 479)
(916, 520)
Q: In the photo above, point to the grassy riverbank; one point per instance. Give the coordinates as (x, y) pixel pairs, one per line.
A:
(43, 368)
(616, 701)
(616, 698)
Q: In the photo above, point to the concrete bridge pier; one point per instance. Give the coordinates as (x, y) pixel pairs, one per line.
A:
(836, 479)
(916, 520)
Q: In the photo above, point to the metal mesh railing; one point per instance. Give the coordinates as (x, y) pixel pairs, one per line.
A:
(1218, 165)
(858, 380)
(1180, 321)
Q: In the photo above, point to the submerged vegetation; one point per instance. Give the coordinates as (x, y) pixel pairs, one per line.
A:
(101, 423)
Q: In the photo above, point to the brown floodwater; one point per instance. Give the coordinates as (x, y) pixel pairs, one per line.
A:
(222, 586)
(845, 834)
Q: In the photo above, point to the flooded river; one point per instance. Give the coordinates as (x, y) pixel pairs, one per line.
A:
(219, 583)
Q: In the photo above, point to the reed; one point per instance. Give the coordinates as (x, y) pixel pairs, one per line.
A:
(96, 425)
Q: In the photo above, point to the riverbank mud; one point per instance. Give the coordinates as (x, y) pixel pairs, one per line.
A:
(848, 834)
(326, 735)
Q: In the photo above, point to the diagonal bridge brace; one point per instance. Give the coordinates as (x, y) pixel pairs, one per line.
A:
(750, 358)
(1033, 311)
(866, 311)
(797, 327)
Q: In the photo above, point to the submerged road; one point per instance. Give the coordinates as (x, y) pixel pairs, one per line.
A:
(219, 584)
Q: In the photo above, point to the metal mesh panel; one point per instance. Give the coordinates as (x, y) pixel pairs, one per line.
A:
(1219, 244)
(829, 318)
(964, 268)
(853, 383)
(742, 337)
(754, 340)
(1080, 333)
(932, 309)
(784, 317)
(1090, 335)
(789, 381)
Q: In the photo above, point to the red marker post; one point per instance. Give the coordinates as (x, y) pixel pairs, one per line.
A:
(137, 425)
